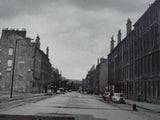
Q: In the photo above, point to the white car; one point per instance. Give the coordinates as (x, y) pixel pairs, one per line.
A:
(49, 92)
(58, 92)
(69, 90)
(85, 92)
(118, 97)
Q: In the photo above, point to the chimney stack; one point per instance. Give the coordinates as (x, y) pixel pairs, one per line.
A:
(20, 32)
(47, 51)
(129, 26)
(38, 41)
(119, 36)
(112, 43)
(98, 61)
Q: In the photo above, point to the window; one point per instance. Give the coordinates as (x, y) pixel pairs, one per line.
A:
(157, 61)
(9, 63)
(7, 85)
(149, 64)
(149, 88)
(9, 69)
(20, 76)
(22, 50)
(142, 88)
(0, 75)
(10, 51)
(154, 88)
(136, 88)
(152, 62)
(158, 87)
(21, 64)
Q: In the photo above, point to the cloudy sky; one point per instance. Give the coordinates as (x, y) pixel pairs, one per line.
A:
(76, 31)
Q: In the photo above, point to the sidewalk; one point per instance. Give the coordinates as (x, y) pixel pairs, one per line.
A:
(145, 105)
(5, 96)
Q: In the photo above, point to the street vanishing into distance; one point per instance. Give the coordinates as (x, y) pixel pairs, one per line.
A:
(80, 60)
(74, 105)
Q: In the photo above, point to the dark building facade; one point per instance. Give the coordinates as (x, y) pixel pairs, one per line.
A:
(32, 68)
(134, 64)
(91, 82)
(103, 75)
(42, 70)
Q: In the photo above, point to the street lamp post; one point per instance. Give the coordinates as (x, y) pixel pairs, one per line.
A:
(13, 68)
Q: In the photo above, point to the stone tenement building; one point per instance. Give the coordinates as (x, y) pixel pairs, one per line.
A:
(32, 71)
(96, 81)
(134, 64)
(103, 75)
(91, 83)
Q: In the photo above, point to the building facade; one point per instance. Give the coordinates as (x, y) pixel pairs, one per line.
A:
(96, 81)
(91, 83)
(103, 75)
(134, 64)
(22, 61)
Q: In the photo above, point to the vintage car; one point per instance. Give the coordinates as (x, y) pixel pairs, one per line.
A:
(118, 98)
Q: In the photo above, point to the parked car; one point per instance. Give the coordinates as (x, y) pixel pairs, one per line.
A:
(106, 96)
(69, 90)
(49, 92)
(62, 90)
(58, 92)
(118, 97)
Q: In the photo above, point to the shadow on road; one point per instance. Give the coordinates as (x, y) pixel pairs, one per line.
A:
(51, 116)
(92, 108)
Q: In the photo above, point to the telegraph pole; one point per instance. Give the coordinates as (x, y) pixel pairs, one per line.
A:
(13, 68)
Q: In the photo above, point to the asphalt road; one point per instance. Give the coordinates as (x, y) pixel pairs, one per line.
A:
(81, 107)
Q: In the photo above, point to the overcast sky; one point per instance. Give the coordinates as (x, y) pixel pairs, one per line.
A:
(76, 31)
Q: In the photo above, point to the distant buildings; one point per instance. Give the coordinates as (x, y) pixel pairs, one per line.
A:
(22, 60)
(91, 81)
(103, 75)
(74, 84)
(134, 64)
(96, 80)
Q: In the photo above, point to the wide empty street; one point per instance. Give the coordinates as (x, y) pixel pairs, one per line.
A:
(80, 107)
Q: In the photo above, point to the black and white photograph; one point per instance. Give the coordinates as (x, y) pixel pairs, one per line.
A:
(79, 59)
